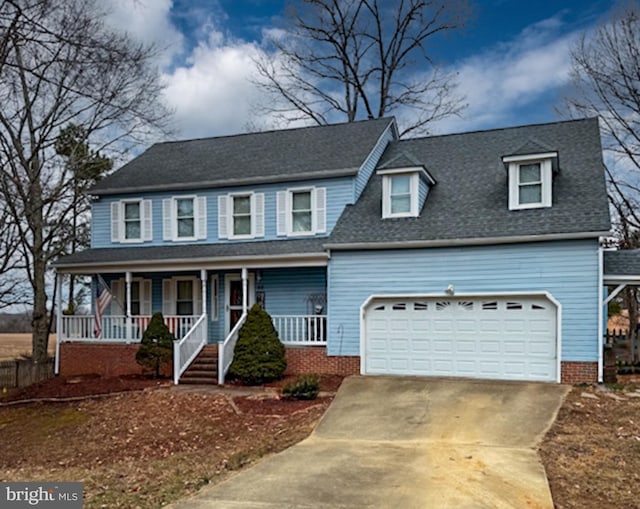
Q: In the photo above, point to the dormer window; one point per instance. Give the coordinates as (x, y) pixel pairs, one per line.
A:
(400, 195)
(530, 180)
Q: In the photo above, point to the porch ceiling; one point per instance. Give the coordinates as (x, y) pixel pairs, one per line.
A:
(302, 252)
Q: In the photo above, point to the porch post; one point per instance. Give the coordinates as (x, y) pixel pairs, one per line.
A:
(56, 368)
(128, 301)
(203, 285)
(245, 296)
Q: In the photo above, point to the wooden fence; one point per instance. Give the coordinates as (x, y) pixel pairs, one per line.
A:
(625, 344)
(23, 372)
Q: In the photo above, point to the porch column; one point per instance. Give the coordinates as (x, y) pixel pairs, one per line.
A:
(59, 331)
(245, 292)
(127, 279)
(203, 285)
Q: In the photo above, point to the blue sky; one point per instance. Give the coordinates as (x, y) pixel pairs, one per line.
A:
(512, 60)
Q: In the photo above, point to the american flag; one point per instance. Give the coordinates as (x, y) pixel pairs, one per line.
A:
(103, 298)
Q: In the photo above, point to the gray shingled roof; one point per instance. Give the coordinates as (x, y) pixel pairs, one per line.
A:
(272, 156)
(190, 252)
(470, 199)
(622, 263)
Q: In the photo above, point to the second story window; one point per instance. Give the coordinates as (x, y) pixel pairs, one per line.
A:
(400, 194)
(184, 218)
(302, 211)
(241, 224)
(131, 221)
(241, 216)
(530, 180)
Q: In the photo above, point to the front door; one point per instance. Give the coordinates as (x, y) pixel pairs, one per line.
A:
(233, 298)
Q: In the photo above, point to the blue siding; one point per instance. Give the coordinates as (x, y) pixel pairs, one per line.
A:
(370, 164)
(567, 269)
(423, 191)
(339, 193)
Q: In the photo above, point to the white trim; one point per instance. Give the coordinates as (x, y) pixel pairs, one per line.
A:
(546, 198)
(289, 211)
(118, 224)
(174, 218)
(614, 293)
(600, 336)
(471, 295)
(409, 169)
(529, 157)
(215, 294)
(227, 293)
(230, 228)
(411, 244)
(616, 279)
(414, 195)
(214, 263)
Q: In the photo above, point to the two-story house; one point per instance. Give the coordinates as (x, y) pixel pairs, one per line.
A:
(473, 255)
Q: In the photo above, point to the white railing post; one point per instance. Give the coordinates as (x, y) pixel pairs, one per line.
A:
(301, 329)
(128, 310)
(59, 332)
(176, 361)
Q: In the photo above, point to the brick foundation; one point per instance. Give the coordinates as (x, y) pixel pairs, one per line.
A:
(101, 359)
(579, 372)
(314, 359)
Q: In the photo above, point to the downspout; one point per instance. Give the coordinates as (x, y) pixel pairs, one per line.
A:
(601, 305)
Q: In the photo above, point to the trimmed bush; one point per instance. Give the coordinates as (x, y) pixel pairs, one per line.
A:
(303, 387)
(156, 347)
(259, 355)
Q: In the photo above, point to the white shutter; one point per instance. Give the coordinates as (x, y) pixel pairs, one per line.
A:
(167, 219)
(168, 301)
(321, 210)
(146, 210)
(282, 212)
(115, 222)
(117, 291)
(201, 217)
(258, 214)
(223, 214)
(145, 297)
(214, 298)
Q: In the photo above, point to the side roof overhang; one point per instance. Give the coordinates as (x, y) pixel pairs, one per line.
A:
(621, 268)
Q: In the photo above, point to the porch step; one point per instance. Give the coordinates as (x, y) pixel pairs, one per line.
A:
(204, 369)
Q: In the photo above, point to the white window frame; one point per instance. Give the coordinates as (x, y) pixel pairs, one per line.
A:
(318, 211)
(118, 223)
(170, 218)
(252, 215)
(170, 295)
(414, 190)
(515, 163)
(119, 291)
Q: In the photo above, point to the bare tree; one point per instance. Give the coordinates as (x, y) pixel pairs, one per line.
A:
(606, 79)
(353, 59)
(60, 64)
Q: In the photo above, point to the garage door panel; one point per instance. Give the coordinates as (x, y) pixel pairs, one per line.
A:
(496, 338)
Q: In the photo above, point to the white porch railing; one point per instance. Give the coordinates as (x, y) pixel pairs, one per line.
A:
(185, 350)
(301, 329)
(226, 348)
(118, 328)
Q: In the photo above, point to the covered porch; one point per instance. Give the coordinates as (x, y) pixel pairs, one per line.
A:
(204, 302)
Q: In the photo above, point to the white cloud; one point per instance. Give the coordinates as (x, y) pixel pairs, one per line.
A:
(513, 75)
(147, 21)
(212, 92)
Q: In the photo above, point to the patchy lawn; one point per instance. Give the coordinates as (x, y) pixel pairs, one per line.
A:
(592, 452)
(146, 448)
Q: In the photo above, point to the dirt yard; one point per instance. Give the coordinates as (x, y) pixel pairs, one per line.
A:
(592, 452)
(17, 345)
(148, 447)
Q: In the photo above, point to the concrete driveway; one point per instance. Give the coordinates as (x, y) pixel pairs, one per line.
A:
(410, 443)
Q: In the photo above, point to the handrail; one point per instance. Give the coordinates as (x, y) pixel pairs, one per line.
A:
(227, 347)
(185, 350)
(306, 330)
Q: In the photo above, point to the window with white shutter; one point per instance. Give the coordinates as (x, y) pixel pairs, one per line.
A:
(241, 216)
(301, 211)
(184, 218)
(131, 221)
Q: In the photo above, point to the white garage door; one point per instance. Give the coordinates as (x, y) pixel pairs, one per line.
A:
(502, 338)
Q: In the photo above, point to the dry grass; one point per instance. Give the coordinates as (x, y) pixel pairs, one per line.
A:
(18, 345)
